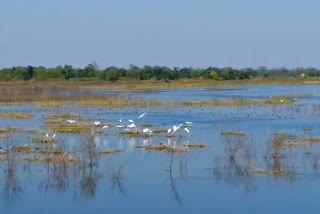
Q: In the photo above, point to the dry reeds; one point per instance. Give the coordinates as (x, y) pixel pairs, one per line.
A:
(17, 115)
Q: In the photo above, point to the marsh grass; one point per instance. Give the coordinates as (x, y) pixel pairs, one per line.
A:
(23, 148)
(109, 152)
(200, 146)
(10, 130)
(17, 115)
(166, 148)
(52, 157)
(71, 129)
(274, 172)
(44, 140)
(42, 96)
(310, 139)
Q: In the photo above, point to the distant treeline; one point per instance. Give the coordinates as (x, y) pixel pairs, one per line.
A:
(151, 72)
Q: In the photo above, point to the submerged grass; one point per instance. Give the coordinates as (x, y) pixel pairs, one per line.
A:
(233, 133)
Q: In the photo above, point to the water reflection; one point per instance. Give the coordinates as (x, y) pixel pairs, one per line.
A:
(117, 179)
(89, 182)
(12, 187)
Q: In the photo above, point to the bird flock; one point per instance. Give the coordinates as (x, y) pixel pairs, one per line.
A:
(131, 125)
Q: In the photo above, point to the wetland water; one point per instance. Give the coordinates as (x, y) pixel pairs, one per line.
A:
(257, 159)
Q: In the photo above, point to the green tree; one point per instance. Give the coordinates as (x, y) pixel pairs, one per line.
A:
(213, 75)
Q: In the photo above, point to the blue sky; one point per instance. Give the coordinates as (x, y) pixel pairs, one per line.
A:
(202, 33)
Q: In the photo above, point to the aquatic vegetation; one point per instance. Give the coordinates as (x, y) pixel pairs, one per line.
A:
(17, 115)
(310, 139)
(274, 172)
(237, 133)
(23, 148)
(44, 140)
(52, 157)
(235, 143)
(195, 145)
(71, 129)
(10, 130)
(278, 142)
(108, 152)
(167, 148)
(132, 133)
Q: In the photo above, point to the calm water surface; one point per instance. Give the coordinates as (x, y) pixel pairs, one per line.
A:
(135, 180)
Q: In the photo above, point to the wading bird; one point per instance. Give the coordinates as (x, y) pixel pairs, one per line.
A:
(71, 121)
(141, 115)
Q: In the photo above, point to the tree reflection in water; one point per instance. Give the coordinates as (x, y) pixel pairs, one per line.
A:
(117, 179)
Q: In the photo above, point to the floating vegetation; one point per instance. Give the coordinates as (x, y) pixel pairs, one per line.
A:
(10, 130)
(159, 131)
(23, 148)
(146, 125)
(274, 172)
(17, 115)
(235, 133)
(195, 145)
(159, 148)
(108, 152)
(291, 145)
(63, 116)
(163, 147)
(132, 133)
(44, 140)
(59, 157)
(310, 140)
(70, 129)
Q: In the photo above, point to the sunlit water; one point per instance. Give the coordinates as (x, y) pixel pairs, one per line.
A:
(196, 181)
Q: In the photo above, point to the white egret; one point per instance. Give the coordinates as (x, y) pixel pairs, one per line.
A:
(175, 128)
(141, 115)
(131, 125)
(54, 135)
(104, 127)
(71, 121)
(187, 130)
(169, 130)
(97, 123)
(120, 126)
(188, 122)
(145, 130)
(130, 121)
(120, 120)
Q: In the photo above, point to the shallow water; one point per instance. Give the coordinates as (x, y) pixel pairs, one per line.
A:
(195, 181)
